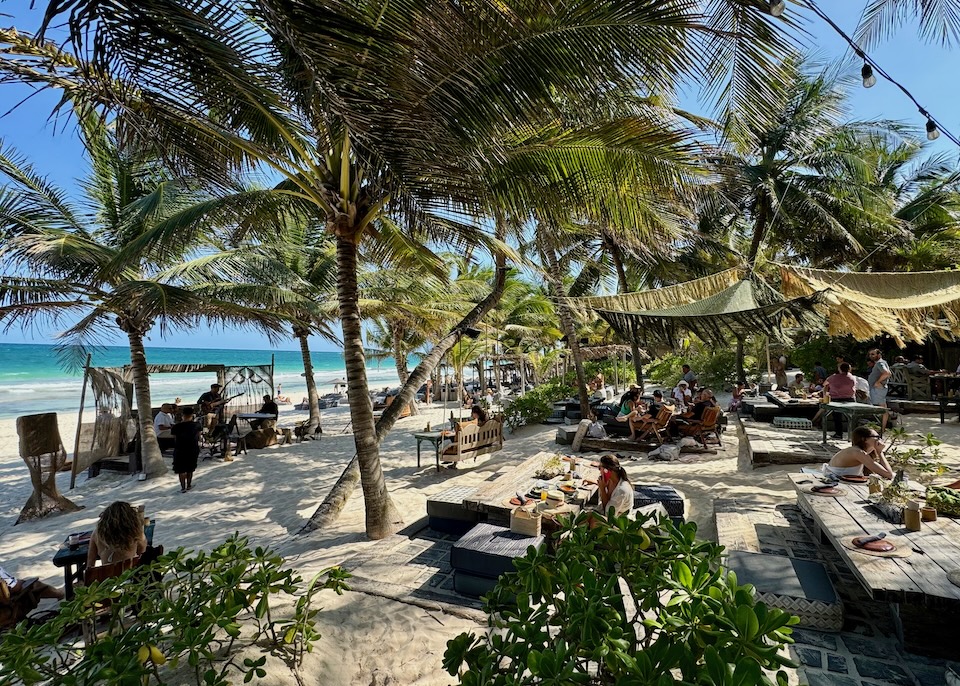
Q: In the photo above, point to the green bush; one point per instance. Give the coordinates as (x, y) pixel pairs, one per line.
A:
(570, 617)
(182, 618)
(715, 367)
(536, 405)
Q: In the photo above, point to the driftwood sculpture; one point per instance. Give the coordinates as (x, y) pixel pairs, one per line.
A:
(44, 454)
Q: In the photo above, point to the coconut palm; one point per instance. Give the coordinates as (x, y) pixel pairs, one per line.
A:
(85, 264)
(410, 109)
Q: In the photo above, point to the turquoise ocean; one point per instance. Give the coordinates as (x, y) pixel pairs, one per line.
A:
(32, 379)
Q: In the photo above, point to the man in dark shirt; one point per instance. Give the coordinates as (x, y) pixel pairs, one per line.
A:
(268, 407)
(706, 400)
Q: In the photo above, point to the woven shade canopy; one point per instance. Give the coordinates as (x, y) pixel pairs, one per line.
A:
(905, 305)
(734, 310)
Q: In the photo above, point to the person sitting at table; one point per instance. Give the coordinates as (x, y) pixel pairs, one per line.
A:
(841, 387)
(118, 535)
(268, 407)
(866, 451)
(613, 487)
(798, 386)
(682, 395)
(737, 399)
(161, 426)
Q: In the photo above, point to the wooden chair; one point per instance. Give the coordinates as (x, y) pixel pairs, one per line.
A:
(93, 575)
(658, 427)
(15, 607)
(708, 425)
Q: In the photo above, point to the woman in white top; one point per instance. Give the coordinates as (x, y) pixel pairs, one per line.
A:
(866, 451)
(615, 488)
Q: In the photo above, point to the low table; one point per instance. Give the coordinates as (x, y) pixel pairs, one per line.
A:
(74, 562)
(493, 499)
(853, 411)
(926, 603)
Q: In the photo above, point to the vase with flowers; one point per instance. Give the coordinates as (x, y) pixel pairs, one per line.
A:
(915, 457)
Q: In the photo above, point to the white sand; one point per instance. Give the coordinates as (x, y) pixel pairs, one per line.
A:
(268, 494)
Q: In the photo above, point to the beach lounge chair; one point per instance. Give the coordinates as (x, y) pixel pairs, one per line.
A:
(16, 606)
(708, 426)
(657, 428)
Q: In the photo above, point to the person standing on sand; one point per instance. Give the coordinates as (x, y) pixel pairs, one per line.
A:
(186, 451)
(879, 376)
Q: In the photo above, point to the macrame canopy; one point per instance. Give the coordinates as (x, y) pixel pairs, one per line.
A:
(43, 453)
(740, 309)
(909, 306)
(113, 428)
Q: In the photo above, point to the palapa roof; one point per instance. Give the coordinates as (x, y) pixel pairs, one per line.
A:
(905, 305)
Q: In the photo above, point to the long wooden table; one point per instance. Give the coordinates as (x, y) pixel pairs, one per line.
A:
(493, 498)
(926, 602)
(853, 411)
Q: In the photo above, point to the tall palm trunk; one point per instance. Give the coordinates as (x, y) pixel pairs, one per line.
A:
(759, 228)
(617, 256)
(313, 397)
(741, 373)
(328, 511)
(382, 517)
(400, 361)
(555, 279)
(153, 464)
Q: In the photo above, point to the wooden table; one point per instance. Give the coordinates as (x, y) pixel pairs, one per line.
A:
(435, 438)
(927, 604)
(853, 411)
(493, 498)
(77, 557)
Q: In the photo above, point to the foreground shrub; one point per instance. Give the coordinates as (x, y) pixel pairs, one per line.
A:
(536, 405)
(184, 618)
(571, 617)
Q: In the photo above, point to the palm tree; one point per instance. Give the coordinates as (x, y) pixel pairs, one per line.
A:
(89, 264)
(402, 110)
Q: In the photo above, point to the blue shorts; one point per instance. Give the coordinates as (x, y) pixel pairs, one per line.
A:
(878, 396)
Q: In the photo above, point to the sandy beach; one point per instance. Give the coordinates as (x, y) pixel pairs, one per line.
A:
(268, 494)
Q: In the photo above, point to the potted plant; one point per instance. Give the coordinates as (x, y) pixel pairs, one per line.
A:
(911, 457)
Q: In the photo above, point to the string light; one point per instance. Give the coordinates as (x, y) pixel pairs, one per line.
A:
(871, 69)
(777, 7)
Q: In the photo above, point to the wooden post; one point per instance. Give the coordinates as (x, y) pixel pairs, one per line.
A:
(76, 441)
(523, 374)
(273, 369)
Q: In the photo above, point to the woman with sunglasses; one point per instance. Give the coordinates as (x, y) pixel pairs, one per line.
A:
(866, 451)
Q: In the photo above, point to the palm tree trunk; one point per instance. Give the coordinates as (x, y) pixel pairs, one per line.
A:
(741, 374)
(624, 287)
(313, 397)
(759, 229)
(400, 361)
(153, 464)
(555, 279)
(331, 507)
(382, 517)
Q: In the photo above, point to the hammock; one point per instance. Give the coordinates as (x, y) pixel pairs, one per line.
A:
(908, 306)
(733, 310)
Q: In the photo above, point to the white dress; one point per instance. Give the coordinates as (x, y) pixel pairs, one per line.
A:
(621, 500)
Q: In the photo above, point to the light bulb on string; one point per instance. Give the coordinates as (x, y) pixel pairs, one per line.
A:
(866, 72)
(777, 7)
(933, 133)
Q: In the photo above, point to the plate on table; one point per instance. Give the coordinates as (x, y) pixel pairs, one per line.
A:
(854, 479)
(516, 502)
(568, 489)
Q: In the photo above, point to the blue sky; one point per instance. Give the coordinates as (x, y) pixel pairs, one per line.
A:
(928, 71)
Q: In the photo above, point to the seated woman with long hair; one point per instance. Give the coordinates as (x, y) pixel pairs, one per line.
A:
(119, 535)
(866, 452)
(478, 414)
(614, 487)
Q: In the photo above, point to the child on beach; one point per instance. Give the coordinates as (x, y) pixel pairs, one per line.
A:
(186, 451)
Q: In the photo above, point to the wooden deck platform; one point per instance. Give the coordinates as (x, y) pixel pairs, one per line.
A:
(768, 445)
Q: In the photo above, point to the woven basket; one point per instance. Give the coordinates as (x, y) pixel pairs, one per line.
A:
(525, 522)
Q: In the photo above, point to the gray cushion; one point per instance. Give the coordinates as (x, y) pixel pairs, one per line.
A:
(488, 550)
(783, 576)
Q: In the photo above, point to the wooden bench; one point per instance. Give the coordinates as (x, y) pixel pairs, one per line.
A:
(470, 440)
